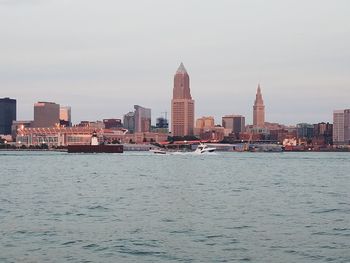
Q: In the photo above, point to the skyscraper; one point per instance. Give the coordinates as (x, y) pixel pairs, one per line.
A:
(347, 126)
(341, 127)
(46, 114)
(142, 119)
(259, 110)
(182, 104)
(8, 114)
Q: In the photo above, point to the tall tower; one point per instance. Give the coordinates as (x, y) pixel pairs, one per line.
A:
(182, 105)
(259, 110)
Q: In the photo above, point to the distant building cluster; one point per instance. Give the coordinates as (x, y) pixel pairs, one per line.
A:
(52, 125)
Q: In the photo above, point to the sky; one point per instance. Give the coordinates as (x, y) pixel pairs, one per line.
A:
(102, 57)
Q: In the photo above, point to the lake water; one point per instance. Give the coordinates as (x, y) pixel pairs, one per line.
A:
(141, 207)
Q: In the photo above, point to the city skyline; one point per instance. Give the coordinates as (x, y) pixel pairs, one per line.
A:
(116, 54)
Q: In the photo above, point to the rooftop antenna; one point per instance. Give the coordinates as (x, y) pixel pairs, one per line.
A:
(165, 114)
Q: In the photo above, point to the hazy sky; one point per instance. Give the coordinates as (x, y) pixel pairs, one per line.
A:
(102, 57)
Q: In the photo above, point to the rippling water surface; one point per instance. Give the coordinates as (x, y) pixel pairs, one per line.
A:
(139, 207)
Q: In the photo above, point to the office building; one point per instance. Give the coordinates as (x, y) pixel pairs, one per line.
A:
(66, 116)
(142, 119)
(305, 130)
(46, 114)
(182, 104)
(206, 122)
(341, 127)
(235, 123)
(8, 114)
(129, 121)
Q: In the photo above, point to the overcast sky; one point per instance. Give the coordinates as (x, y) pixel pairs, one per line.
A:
(102, 57)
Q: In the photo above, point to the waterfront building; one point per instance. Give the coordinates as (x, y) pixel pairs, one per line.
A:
(182, 104)
(8, 114)
(347, 126)
(257, 130)
(142, 119)
(144, 137)
(66, 116)
(259, 110)
(214, 134)
(323, 133)
(235, 123)
(19, 125)
(305, 130)
(113, 123)
(279, 135)
(207, 130)
(81, 135)
(46, 114)
(341, 127)
(338, 127)
(129, 121)
(92, 124)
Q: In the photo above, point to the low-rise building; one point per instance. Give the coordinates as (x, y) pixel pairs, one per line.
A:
(77, 135)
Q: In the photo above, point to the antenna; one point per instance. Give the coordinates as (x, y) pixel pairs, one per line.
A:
(165, 114)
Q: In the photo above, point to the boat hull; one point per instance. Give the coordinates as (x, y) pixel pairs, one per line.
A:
(95, 148)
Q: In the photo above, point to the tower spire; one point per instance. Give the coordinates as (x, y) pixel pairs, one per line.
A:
(181, 69)
(259, 109)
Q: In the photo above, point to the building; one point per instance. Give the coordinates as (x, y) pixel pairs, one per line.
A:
(323, 133)
(129, 121)
(46, 114)
(19, 125)
(259, 110)
(113, 123)
(207, 130)
(182, 104)
(66, 116)
(142, 119)
(81, 135)
(235, 123)
(213, 134)
(91, 124)
(347, 126)
(162, 125)
(341, 127)
(8, 114)
(205, 122)
(305, 130)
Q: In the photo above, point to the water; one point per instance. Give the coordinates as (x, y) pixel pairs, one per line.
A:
(141, 207)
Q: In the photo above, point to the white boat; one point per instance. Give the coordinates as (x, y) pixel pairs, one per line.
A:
(203, 148)
(157, 151)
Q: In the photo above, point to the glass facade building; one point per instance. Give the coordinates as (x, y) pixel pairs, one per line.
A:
(8, 114)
